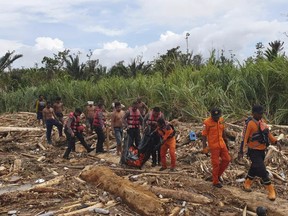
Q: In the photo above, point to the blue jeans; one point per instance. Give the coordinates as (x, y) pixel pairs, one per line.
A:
(118, 135)
(49, 125)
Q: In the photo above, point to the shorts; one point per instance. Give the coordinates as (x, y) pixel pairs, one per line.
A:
(39, 115)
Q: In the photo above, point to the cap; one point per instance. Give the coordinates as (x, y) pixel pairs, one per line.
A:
(215, 112)
(90, 102)
(257, 109)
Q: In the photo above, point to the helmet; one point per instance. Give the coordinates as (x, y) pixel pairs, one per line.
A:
(261, 211)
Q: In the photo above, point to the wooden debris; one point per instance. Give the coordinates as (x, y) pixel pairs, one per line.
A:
(17, 165)
(14, 129)
(133, 195)
(55, 181)
(175, 211)
(181, 195)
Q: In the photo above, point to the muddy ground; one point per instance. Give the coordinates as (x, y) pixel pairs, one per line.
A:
(35, 180)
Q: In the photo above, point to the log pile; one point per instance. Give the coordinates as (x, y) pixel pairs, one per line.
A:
(35, 180)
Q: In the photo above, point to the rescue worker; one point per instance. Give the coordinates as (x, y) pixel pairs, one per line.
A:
(73, 129)
(51, 119)
(256, 137)
(168, 141)
(58, 109)
(214, 133)
(117, 125)
(99, 124)
(40, 105)
(150, 125)
(133, 120)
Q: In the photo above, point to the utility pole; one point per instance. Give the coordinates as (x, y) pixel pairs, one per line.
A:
(187, 35)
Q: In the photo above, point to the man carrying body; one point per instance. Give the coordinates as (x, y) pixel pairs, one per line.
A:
(58, 109)
(150, 124)
(117, 125)
(167, 134)
(50, 119)
(133, 120)
(213, 132)
(73, 129)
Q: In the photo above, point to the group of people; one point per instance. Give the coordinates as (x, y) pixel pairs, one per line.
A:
(139, 122)
(255, 140)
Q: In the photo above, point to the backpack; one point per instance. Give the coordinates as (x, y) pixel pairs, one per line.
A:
(261, 135)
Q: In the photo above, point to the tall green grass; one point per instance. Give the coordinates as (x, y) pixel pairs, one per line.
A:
(184, 93)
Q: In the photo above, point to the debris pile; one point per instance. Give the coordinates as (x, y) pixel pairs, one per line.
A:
(35, 180)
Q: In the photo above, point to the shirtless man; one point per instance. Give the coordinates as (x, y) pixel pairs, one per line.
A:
(117, 125)
(142, 107)
(49, 118)
(89, 113)
(58, 109)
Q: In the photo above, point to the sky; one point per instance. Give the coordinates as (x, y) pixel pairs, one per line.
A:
(116, 30)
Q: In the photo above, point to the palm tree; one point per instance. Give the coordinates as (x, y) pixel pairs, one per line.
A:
(8, 59)
(274, 51)
(74, 68)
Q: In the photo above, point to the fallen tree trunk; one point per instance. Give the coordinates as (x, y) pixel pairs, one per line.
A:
(136, 197)
(181, 195)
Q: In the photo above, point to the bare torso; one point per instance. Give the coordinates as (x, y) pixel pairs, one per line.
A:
(117, 118)
(58, 107)
(48, 113)
(90, 111)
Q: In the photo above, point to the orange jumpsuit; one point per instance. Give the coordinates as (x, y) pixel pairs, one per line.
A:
(214, 133)
(169, 142)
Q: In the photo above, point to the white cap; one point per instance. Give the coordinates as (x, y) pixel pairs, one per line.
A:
(90, 102)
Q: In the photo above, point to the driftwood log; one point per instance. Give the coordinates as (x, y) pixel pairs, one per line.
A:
(136, 197)
(15, 129)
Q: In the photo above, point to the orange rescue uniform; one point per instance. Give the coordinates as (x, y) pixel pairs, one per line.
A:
(214, 133)
(253, 127)
(169, 142)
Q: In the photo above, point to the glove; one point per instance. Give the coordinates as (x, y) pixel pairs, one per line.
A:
(205, 150)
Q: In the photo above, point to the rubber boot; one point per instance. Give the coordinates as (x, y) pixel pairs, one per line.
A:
(247, 185)
(271, 192)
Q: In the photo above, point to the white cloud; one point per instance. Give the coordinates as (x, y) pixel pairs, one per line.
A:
(121, 30)
(49, 43)
(8, 45)
(102, 30)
